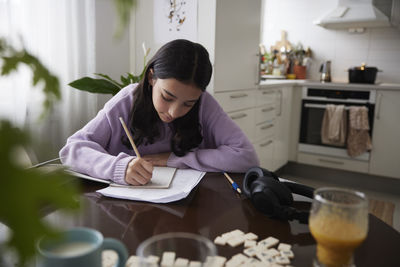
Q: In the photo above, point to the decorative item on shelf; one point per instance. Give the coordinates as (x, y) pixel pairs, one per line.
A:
(285, 60)
(300, 72)
(301, 60)
(283, 45)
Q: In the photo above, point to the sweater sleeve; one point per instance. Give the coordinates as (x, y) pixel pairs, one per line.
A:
(224, 148)
(96, 149)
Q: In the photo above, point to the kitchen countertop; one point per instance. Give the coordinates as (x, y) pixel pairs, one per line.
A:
(331, 85)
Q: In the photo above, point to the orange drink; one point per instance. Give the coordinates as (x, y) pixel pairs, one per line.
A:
(339, 223)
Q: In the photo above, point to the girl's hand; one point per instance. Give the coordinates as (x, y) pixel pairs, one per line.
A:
(158, 159)
(138, 172)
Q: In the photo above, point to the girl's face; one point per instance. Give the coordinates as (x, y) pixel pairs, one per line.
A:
(172, 99)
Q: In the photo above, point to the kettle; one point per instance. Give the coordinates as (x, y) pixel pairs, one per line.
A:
(325, 71)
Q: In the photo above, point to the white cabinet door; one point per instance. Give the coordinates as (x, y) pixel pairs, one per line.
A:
(233, 101)
(264, 150)
(245, 119)
(385, 154)
(282, 127)
(237, 38)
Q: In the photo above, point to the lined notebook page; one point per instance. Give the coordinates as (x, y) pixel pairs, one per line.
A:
(162, 178)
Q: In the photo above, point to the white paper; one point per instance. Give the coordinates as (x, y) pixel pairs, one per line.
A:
(182, 184)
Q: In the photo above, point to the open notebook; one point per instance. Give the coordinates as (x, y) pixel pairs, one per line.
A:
(167, 185)
(162, 176)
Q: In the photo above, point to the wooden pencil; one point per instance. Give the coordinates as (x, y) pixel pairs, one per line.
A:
(129, 137)
(234, 185)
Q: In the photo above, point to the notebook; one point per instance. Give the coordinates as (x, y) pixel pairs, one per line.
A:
(162, 176)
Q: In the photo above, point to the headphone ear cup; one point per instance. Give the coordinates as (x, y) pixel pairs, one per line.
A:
(251, 175)
(282, 193)
(264, 199)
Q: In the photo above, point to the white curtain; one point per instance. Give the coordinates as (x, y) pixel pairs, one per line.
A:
(61, 33)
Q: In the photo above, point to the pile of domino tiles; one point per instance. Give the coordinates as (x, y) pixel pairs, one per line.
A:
(170, 259)
(261, 253)
(267, 252)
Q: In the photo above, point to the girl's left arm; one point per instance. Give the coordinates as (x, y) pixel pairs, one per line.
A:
(224, 148)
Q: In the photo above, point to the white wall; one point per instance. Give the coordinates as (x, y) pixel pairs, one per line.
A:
(112, 55)
(379, 47)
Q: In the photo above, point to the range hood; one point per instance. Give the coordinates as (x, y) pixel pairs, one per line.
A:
(354, 14)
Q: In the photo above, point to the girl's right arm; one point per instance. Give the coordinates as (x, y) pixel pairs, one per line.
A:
(97, 149)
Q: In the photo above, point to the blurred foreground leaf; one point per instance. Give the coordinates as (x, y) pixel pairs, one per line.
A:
(12, 58)
(25, 192)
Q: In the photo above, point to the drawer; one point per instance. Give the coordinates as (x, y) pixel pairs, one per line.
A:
(264, 150)
(265, 96)
(333, 162)
(264, 129)
(245, 120)
(236, 100)
(265, 113)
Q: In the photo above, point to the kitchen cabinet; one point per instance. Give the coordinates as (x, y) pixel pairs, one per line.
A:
(264, 130)
(230, 30)
(264, 149)
(282, 127)
(385, 158)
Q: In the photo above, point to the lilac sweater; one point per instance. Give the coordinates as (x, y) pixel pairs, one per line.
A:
(97, 149)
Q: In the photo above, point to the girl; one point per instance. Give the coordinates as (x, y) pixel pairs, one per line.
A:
(173, 120)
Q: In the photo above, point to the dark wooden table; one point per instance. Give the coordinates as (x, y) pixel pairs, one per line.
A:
(211, 209)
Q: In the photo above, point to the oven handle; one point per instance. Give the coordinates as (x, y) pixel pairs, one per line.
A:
(320, 106)
(378, 109)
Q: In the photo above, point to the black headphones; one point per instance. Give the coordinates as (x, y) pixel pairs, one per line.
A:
(273, 197)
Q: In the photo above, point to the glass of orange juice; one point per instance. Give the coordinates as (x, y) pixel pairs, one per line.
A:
(339, 223)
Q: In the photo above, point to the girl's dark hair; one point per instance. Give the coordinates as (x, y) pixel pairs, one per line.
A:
(186, 62)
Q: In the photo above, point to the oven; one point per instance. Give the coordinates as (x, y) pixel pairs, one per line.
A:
(314, 101)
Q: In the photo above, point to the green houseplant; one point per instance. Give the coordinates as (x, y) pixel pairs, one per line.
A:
(105, 84)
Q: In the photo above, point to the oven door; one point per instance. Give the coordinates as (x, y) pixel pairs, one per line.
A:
(312, 113)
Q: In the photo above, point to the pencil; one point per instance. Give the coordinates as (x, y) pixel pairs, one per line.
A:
(130, 137)
(234, 185)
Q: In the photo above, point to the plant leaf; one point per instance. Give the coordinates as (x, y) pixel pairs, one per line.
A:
(11, 59)
(91, 85)
(27, 191)
(125, 81)
(111, 80)
(133, 78)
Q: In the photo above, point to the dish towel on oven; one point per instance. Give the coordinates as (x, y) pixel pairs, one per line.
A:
(334, 125)
(358, 139)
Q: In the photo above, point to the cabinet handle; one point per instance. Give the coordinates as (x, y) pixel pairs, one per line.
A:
(238, 116)
(378, 108)
(258, 69)
(238, 95)
(267, 127)
(280, 102)
(266, 143)
(268, 92)
(267, 109)
(331, 161)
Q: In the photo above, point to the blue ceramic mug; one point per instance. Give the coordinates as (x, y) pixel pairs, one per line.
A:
(78, 247)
